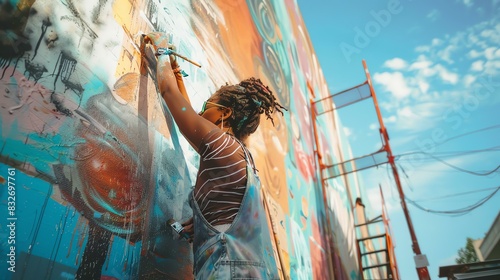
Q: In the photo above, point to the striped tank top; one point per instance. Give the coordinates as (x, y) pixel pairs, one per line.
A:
(222, 178)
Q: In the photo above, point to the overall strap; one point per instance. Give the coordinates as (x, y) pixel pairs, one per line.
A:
(248, 155)
(249, 158)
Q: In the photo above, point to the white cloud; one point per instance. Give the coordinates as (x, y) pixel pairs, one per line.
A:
(423, 86)
(347, 131)
(374, 126)
(468, 80)
(394, 83)
(433, 15)
(428, 72)
(396, 63)
(491, 33)
(492, 53)
(446, 75)
(474, 54)
(479, 40)
(421, 63)
(487, 33)
(446, 53)
(492, 67)
(473, 39)
(426, 69)
(423, 49)
(443, 71)
(406, 112)
(391, 119)
(468, 3)
(436, 42)
(420, 115)
(477, 66)
(408, 119)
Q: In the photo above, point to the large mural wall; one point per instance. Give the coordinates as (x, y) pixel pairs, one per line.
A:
(92, 163)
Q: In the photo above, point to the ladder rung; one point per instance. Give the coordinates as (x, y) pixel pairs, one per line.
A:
(374, 252)
(375, 220)
(372, 237)
(376, 266)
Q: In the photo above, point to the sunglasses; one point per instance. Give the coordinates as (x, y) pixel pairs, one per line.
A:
(204, 107)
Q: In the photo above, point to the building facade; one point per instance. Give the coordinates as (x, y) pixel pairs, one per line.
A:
(92, 161)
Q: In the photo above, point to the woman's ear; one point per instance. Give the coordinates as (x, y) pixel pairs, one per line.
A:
(226, 113)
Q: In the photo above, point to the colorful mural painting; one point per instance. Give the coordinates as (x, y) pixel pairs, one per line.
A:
(92, 165)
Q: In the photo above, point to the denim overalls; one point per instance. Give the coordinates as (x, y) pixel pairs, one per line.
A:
(244, 251)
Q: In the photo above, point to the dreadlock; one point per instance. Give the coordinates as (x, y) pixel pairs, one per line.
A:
(248, 100)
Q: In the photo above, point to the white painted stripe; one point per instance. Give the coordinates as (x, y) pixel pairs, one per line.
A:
(224, 210)
(221, 167)
(230, 183)
(220, 178)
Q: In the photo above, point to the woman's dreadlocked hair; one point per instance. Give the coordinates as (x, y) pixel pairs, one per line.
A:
(248, 100)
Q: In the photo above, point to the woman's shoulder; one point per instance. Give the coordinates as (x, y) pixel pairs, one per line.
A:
(216, 138)
(213, 135)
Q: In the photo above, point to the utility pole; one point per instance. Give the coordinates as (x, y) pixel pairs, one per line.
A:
(348, 97)
(420, 260)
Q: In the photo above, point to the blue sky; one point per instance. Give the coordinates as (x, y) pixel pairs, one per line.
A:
(436, 71)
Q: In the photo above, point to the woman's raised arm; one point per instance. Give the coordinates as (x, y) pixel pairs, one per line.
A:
(191, 125)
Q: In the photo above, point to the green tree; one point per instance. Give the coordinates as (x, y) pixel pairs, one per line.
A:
(467, 254)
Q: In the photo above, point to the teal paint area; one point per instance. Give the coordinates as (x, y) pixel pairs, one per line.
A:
(168, 255)
(49, 235)
(40, 151)
(103, 178)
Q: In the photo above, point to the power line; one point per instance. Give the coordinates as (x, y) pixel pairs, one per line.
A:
(456, 212)
(456, 194)
(470, 132)
(407, 178)
(486, 173)
(477, 173)
(398, 157)
(465, 210)
(450, 153)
